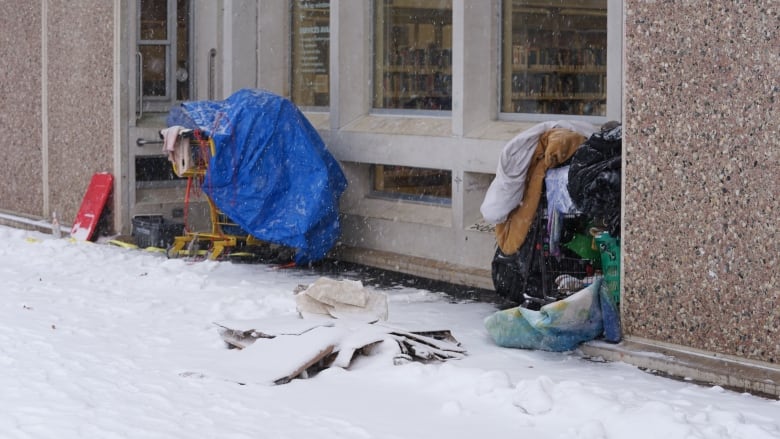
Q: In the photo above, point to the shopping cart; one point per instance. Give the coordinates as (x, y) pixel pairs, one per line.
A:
(225, 239)
(536, 275)
(560, 273)
(266, 172)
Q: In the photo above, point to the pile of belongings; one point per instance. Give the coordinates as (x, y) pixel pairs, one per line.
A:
(338, 321)
(271, 173)
(568, 174)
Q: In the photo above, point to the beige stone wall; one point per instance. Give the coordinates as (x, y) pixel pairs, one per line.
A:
(21, 183)
(702, 175)
(70, 73)
(80, 66)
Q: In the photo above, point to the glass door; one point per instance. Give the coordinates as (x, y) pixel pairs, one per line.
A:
(161, 74)
(163, 39)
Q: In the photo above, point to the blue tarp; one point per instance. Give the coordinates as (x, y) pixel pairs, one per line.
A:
(271, 172)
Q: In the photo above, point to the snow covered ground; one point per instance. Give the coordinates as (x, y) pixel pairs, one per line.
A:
(97, 341)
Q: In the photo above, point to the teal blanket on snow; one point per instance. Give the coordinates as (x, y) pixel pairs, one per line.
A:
(558, 326)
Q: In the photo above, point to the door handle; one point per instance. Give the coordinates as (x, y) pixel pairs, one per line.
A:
(143, 142)
(212, 74)
(139, 112)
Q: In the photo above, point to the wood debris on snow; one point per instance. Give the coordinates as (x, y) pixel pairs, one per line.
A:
(241, 333)
(330, 331)
(281, 355)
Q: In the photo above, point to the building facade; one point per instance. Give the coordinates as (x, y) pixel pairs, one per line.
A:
(416, 99)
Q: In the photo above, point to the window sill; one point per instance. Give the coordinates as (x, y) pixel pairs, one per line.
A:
(401, 211)
(319, 119)
(403, 124)
(500, 130)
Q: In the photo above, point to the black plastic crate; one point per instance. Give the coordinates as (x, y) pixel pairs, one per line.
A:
(155, 231)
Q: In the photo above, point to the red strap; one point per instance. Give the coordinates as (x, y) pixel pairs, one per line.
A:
(187, 203)
(287, 265)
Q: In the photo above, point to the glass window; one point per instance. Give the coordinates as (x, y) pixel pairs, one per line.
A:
(413, 71)
(163, 53)
(413, 54)
(554, 57)
(417, 184)
(310, 52)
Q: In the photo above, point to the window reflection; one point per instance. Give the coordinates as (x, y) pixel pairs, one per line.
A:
(413, 54)
(310, 52)
(554, 57)
(418, 184)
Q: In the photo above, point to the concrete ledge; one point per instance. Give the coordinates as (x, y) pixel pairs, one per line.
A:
(25, 222)
(421, 267)
(761, 379)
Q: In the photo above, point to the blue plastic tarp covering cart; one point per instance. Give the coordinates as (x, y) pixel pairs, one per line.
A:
(271, 172)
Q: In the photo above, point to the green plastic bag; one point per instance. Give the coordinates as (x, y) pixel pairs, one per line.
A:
(609, 247)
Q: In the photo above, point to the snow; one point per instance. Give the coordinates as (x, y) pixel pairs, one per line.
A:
(97, 341)
(79, 233)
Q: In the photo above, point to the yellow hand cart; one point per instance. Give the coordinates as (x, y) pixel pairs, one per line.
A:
(225, 239)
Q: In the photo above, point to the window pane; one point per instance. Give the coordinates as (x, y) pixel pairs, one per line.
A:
(153, 168)
(413, 54)
(421, 184)
(310, 52)
(165, 53)
(554, 57)
(153, 69)
(154, 20)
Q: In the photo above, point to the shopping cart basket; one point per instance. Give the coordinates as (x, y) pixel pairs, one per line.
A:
(225, 239)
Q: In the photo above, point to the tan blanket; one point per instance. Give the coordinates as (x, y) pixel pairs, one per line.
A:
(555, 147)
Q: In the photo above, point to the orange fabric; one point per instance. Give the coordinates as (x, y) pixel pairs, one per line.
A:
(555, 147)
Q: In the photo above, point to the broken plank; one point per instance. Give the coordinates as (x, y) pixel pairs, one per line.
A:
(356, 342)
(284, 357)
(444, 345)
(304, 368)
(242, 333)
(424, 351)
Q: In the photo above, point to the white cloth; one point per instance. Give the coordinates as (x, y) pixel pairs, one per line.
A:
(170, 137)
(177, 148)
(558, 204)
(507, 188)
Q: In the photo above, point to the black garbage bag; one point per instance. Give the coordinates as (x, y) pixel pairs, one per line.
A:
(517, 274)
(594, 177)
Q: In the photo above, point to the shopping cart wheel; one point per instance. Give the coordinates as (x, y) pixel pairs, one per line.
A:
(171, 252)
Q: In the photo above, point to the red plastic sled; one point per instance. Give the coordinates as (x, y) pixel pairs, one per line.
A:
(92, 206)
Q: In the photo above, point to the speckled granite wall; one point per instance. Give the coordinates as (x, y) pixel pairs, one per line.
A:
(702, 175)
(21, 184)
(80, 41)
